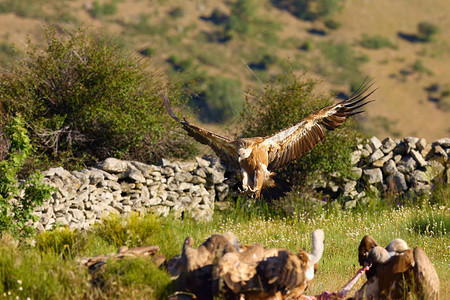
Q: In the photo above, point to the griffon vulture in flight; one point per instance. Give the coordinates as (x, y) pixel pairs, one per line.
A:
(256, 158)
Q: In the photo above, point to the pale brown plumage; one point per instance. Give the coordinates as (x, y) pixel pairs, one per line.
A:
(193, 268)
(400, 272)
(219, 267)
(259, 273)
(257, 157)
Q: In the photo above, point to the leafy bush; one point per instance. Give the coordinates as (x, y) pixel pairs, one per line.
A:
(102, 10)
(346, 63)
(284, 104)
(418, 66)
(427, 31)
(63, 242)
(241, 17)
(244, 21)
(220, 101)
(16, 208)
(84, 100)
(332, 24)
(375, 42)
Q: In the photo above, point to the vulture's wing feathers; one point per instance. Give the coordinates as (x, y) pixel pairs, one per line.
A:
(222, 146)
(292, 142)
(427, 280)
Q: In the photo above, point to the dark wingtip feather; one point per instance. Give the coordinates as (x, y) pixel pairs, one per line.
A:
(168, 108)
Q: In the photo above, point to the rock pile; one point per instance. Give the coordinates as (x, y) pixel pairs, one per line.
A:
(393, 166)
(117, 186)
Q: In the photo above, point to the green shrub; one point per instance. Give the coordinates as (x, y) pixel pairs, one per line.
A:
(220, 101)
(102, 10)
(419, 67)
(132, 231)
(242, 17)
(375, 42)
(332, 24)
(16, 208)
(177, 12)
(245, 21)
(63, 242)
(84, 99)
(286, 103)
(427, 31)
(345, 63)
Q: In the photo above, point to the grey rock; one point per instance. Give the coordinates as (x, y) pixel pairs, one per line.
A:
(420, 176)
(113, 165)
(418, 157)
(407, 164)
(214, 176)
(59, 171)
(389, 168)
(166, 163)
(77, 214)
(396, 182)
(365, 153)
(183, 177)
(427, 152)
(145, 169)
(188, 166)
(373, 175)
(374, 143)
(349, 187)
(167, 171)
(444, 142)
(380, 162)
(421, 144)
(411, 141)
(355, 157)
(388, 145)
(376, 155)
(202, 162)
(135, 175)
(438, 150)
(356, 173)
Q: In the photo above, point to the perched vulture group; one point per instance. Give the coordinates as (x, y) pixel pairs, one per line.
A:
(220, 266)
(396, 272)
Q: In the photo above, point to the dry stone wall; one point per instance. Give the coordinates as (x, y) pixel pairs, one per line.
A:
(117, 186)
(409, 165)
(399, 166)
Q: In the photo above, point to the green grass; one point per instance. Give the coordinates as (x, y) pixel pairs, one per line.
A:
(49, 269)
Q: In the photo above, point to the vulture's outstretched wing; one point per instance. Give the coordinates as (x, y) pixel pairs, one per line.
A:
(427, 280)
(292, 142)
(224, 147)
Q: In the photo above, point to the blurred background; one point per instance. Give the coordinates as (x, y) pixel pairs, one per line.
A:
(218, 50)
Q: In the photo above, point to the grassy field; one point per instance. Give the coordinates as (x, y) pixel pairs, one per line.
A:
(47, 267)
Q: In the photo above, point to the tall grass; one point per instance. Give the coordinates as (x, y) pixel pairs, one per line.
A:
(50, 270)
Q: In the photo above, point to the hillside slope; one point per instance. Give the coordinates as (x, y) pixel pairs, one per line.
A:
(176, 32)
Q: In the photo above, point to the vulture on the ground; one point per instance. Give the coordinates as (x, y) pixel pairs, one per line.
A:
(219, 267)
(259, 273)
(397, 271)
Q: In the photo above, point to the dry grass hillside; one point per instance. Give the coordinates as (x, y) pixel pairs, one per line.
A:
(186, 40)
